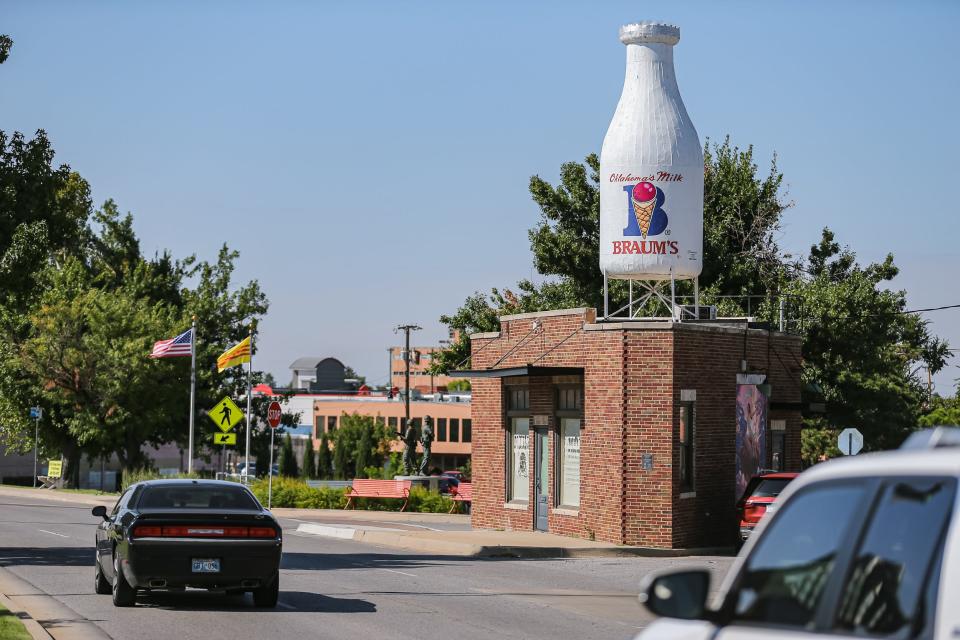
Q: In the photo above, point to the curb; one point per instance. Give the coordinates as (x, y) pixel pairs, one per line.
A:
(413, 542)
(82, 499)
(53, 619)
(32, 626)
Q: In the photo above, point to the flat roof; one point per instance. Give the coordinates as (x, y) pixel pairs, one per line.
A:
(527, 370)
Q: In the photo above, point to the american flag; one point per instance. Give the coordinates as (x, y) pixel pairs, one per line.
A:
(179, 346)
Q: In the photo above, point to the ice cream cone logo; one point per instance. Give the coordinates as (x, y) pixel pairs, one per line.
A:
(644, 200)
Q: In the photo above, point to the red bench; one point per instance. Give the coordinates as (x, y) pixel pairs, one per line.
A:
(379, 489)
(463, 492)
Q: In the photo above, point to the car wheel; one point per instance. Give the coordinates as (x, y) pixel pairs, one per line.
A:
(124, 595)
(267, 595)
(101, 584)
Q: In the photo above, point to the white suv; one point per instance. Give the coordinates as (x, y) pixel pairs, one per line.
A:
(867, 546)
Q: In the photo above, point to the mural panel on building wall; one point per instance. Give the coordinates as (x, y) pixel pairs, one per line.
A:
(752, 403)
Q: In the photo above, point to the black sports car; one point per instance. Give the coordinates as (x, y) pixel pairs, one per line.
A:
(171, 534)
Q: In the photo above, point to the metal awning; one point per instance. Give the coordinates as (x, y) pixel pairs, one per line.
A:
(509, 372)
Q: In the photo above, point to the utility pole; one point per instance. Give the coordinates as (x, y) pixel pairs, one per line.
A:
(36, 413)
(406, 328)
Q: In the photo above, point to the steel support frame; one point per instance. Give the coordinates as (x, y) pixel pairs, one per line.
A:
(649, 289)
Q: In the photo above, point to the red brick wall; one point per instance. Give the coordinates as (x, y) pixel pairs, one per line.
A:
(648, 419)
(708, 361)
(633, 375)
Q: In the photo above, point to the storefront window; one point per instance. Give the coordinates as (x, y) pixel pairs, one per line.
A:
(569, 467)
(519, 459)
(331, 424)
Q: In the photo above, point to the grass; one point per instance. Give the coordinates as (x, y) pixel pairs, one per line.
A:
(10, 626)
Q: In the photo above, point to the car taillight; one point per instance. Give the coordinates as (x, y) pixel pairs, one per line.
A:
(203, 531)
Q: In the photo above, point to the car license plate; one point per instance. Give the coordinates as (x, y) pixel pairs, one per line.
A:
(206, 565)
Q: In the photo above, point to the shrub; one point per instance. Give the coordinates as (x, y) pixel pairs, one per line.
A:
(425, 501)
(132, 476)
(289, 492)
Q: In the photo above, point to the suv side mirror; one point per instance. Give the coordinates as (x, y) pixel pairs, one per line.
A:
(100, 511)
(678, 594)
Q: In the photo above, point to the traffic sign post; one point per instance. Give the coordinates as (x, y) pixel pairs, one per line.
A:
(226, 415)
(850, 442)
(274, 412)
(36, 413)
(224, 438)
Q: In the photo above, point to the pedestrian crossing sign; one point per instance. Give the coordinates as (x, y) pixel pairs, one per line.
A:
(224, 438)
(226, 415)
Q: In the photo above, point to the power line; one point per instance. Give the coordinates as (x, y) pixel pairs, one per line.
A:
(949, 306)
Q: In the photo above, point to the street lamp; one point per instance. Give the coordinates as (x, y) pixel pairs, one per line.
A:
(406, 328)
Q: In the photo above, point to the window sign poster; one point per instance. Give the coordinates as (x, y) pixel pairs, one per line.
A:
(521, 459)
(751, 430)
(570, 482)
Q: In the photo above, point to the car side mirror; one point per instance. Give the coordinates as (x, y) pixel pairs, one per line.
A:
(100, 511)
(678, 594)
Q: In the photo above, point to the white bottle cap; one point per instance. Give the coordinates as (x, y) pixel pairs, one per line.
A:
(648, 32)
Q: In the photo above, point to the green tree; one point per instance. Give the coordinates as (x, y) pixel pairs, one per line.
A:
(88, 350)
(458, 385)
(6, 43)
(288, 461)
(942, 411)
(350, 374)
(861, 350)
(309, 466)
(43, 210)
(359, 442)
(364, 454)
(324, 462)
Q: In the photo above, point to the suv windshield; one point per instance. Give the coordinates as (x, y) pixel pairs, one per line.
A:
(196, 496)
(770, 487)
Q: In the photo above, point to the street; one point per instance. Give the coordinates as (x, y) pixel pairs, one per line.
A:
(343, 589)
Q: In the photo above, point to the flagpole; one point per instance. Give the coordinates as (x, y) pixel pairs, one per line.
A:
(193, 387)
(249, 393)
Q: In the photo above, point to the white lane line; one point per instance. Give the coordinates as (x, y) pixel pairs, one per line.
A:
(53, 533)
(400, 572)
(284, 605)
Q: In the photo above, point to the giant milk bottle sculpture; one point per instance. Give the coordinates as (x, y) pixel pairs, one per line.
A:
(651, 171)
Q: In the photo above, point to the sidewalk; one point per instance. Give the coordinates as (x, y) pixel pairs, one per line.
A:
(433, 533)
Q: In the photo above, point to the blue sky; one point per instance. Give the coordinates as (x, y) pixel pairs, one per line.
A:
(370, 160)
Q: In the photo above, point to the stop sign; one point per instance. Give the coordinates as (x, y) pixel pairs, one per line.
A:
(273, 414)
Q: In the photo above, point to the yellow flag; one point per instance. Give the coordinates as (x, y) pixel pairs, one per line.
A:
(235, 355)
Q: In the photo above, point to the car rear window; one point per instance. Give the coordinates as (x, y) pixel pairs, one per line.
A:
(770, 487)
(196, 497)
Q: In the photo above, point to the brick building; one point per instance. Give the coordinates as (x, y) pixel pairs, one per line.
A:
(420, 377)
(627, 432)
(451, 421)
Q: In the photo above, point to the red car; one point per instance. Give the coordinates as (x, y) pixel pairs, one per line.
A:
(762, 490)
